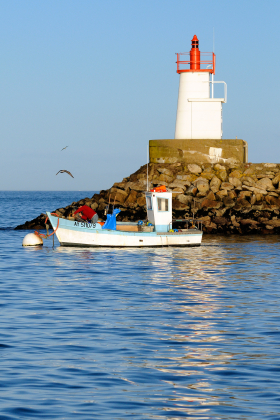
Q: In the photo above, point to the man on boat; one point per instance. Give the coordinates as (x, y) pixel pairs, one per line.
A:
(85, 214)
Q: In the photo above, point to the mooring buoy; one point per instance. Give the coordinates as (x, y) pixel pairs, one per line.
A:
(32, 240)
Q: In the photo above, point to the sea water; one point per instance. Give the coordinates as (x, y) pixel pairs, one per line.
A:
(163, 333)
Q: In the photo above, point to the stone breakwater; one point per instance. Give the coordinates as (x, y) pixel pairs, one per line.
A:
(235, 198)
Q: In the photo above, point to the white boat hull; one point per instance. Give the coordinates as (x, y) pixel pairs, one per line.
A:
(137, 239)
(70, 233)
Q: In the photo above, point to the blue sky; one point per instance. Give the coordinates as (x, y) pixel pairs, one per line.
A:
(100, 77)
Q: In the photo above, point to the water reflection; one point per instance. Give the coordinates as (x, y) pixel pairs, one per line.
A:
(202, 279)
(192, 332)
(196, 276)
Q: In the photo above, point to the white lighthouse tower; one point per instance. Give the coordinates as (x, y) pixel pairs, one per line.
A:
(199, 115)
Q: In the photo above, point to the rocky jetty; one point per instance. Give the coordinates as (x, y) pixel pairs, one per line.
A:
(229, 198)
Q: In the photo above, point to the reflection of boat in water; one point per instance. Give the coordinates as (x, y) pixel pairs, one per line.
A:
(127, 234)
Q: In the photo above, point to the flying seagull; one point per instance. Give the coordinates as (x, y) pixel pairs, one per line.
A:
(64, 148)
(64, 170)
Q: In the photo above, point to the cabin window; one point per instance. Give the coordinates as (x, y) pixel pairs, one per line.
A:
(149, 203)
(162, 204)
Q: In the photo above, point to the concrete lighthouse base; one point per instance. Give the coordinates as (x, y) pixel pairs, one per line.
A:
(198, 151)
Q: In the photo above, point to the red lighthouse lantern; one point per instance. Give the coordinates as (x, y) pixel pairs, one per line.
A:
(195, 54)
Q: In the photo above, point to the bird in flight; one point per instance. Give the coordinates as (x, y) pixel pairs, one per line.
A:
(64, 148)
(64, 170)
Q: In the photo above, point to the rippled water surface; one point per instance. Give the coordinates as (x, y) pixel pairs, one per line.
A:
(165, 333)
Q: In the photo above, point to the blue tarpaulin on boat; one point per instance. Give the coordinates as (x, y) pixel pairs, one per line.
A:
(111, 222)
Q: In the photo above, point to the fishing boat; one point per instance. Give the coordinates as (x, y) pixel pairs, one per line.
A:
(160, 231)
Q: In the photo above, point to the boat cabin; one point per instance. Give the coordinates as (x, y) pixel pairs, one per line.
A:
(159, 209)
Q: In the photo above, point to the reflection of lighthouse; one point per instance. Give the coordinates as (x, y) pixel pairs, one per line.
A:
(199, 116)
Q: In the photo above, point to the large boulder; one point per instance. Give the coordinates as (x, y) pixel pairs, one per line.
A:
(215, 184)
(270, 165)
(227, 186)
(202, 186)
(185, 199)
(177, 191)
(165, 171)
(166, 178)
(194, 169)
(219, 167)
(247, 180)
(234, 221)
(211, 196)
(244, 194)
(141, 201)
(138, 186)
(273, 223)
(177, 205)
(276, 180)
(255, 190)
(114, 191)
(118, 195)
(210, 204)
(235, 181)
(222, 175)
(228, 202)
(184, 178)
(192, 190)
(235, 174)
(265, 184)
(243, 202)
(157, 181)
(179, 184)
(220, 220)
(221, 194)
(132, 198)
(248, 222)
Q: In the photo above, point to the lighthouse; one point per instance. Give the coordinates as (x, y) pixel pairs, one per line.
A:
(199, 114)
(198, 132)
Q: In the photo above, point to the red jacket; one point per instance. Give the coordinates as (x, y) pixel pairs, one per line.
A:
(87, 212)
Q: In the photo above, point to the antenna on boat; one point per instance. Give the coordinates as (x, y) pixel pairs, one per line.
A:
(148, 168)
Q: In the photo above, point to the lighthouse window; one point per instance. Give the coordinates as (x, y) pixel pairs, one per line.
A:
(162, 204)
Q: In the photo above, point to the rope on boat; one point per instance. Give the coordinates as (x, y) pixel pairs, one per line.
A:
(42, 235)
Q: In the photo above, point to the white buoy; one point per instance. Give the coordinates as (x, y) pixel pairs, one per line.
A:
(32, 240)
